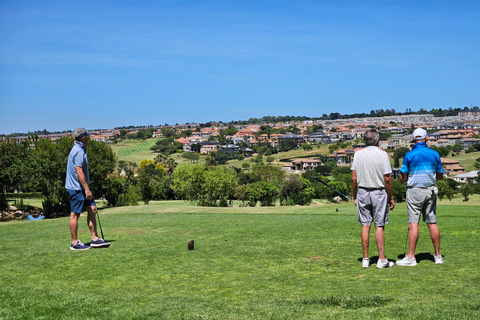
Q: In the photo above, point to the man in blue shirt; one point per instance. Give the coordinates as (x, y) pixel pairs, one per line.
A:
(81, 197)
(421, 168)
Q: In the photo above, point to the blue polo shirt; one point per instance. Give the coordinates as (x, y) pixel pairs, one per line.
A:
(77, 157)
(422, 165)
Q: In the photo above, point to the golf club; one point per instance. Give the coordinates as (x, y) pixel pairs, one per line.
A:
(348, 198)
(100, 225)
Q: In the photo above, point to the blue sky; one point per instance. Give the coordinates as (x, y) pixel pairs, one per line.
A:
(102, 64)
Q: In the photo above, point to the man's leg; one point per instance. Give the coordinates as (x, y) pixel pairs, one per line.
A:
(380, 239)
(435, 235)
(412, 239)
(365, 240)
(74, 226)
(92, 222)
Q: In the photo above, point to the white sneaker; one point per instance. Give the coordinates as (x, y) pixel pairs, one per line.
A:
(406, 262)
(384, 264)
(438, 259)
(366, 262)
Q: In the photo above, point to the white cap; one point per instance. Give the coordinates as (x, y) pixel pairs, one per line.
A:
(419, 134)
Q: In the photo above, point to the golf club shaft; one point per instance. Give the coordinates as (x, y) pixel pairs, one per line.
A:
(348, 198)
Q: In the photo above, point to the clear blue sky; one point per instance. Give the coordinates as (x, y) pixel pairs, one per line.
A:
(101, 64)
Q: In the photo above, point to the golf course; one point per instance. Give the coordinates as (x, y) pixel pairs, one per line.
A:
(248, 263)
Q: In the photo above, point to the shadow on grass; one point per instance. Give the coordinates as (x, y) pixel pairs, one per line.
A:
(420, 256)
(374, 260)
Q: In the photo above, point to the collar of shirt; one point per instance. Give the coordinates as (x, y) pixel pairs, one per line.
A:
(420, 145)
(81, 145)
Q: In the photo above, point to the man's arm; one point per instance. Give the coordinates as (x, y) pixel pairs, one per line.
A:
(83, 182)
(439, 176)
(389, 188)
(354, 185)
(403, 177)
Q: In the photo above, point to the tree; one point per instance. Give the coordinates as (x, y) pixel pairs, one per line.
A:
(245, 166)
(466, 191)
(306, 146)
(401, 152)
(399, 190)
(262, 192)
(51, 170)
(444, 189)
(270, 159)
(296, 190)
(191, 156)
(457, 147)
(101, 163)
(396, 162)
(271, 174)
(204, 186)
(477, 164)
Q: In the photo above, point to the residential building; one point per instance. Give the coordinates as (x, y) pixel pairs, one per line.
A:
(468, 177)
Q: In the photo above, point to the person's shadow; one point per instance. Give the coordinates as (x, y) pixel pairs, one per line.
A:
(374, 260)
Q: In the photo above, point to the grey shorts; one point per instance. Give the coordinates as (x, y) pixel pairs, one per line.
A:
(422, 201)
(372, 206)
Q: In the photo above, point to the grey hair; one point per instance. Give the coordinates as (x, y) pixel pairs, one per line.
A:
(371, 137)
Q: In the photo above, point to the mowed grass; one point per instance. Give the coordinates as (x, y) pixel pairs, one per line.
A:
(467, 160)
(135, 150)
(248, 263)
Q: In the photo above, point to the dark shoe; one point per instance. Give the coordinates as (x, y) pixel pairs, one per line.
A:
(79, 246)
(99, 243)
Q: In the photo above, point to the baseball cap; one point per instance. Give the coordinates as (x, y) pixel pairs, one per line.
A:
(80, 132)
(419, 134)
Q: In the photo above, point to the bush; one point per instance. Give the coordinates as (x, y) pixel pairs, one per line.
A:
(262, 192)
(296, 190)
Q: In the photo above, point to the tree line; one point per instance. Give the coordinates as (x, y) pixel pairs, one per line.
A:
(39, 165)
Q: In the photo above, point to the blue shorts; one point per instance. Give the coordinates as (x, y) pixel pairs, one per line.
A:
(78, 200)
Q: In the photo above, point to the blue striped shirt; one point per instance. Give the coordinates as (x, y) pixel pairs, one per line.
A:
(422, 165)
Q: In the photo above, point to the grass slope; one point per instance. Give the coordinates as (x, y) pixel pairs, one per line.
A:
(248, 263)
(135, 150)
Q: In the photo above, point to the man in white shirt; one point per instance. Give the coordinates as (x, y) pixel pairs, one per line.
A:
(372, 192)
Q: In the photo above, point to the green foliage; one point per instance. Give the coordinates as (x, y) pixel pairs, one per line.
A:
(445, 188)
(167, 146)
(466, 190)
(442, 151)
(114, 187)
(306, 146)
(204, 186)
(193, 157)
(17, 166)
(271, 174)
(241, 193)
(101, 163)
(401, 152)
(296, 190)
(262, 192)
(286, 144)
(51, 170)
(399, 190)
(325, 169)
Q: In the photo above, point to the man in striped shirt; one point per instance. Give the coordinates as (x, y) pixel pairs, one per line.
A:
(421, 168)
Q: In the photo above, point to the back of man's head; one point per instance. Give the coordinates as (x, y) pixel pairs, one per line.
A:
(419, 134)
(371, 137)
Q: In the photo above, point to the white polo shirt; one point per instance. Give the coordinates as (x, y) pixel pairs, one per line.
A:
(371, 164)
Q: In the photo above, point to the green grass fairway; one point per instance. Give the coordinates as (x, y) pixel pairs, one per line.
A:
(135, 150)
(248, 263)
(467, 160)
